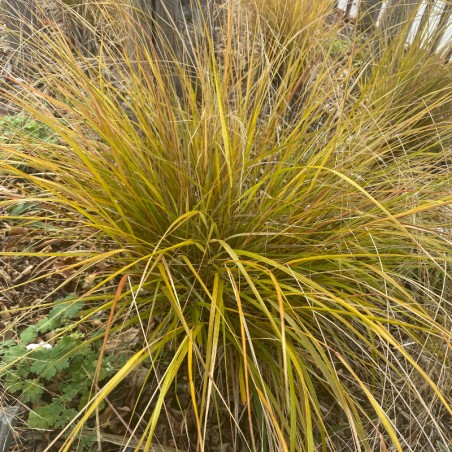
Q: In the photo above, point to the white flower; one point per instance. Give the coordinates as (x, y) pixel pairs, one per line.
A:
(38, 345)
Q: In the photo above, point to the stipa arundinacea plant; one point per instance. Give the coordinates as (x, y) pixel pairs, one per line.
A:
(283, 227)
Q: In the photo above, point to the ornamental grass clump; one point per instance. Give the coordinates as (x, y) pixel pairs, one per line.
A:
(274, 220)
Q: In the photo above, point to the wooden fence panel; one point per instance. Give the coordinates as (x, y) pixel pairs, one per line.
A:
(414, 18)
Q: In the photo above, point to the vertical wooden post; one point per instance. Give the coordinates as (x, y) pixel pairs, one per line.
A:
(156, 21)
(368, 13)
(157, 34)
(348, 8)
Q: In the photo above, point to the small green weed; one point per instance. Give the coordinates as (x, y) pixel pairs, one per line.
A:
(20, 133)
(21, 124)
(55, 381)
(21, 208)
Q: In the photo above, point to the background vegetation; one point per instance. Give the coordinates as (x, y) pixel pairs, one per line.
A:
(266, 204)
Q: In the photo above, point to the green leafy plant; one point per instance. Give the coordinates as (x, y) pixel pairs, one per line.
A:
(29, 369)
(26, 127)
(23, 131)
(283, 226)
